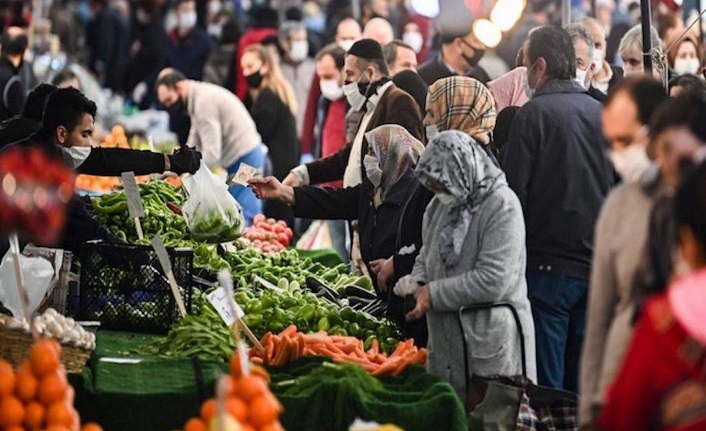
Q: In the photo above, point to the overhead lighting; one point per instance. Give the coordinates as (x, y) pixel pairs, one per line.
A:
(506, 13)
(487, 32)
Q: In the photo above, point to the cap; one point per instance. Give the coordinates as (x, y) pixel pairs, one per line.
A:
(368, 49)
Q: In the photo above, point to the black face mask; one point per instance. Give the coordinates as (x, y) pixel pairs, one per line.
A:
(475, 58)
(369, 88)
(178, 108)
(254, 80)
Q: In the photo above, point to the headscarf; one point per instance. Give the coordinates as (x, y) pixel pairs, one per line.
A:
(509, 89)
(462, 103)
(396, 150)
(463, 167)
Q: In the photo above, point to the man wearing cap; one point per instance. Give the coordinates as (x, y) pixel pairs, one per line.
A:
(460, 53)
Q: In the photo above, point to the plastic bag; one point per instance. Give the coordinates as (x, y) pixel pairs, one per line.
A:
(38, 275)
(212, 214)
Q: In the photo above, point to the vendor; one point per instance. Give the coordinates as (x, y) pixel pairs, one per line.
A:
(377, 204)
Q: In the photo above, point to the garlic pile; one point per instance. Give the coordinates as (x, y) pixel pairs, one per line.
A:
(53, 324)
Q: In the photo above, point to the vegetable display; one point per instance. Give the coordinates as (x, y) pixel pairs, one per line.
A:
(269, 235)
(52, 324)
(290, 345)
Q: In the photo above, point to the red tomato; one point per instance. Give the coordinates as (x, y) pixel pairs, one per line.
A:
(283, 239)
(271, 221)
(289, 233)
(278, 228)
(258, 218)
(281, 223)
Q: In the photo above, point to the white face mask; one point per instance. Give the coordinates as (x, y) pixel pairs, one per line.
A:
(413, 39)
(686, 66)
(431, 132)
(215, 30)
(187, 21)
(631, 162)
(581, 77)
(75, 156)
(447, 200)
(598, 58)
(372, 169)
(346, 44)
(300, 50)
(330, 89)
(354, 96)
(634, 72)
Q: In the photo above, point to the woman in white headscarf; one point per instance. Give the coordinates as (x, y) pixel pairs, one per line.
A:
(473, 252)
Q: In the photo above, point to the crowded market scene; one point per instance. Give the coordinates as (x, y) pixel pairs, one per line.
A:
(324, 215)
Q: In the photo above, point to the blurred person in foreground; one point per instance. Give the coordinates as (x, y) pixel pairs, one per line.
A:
(555, 162)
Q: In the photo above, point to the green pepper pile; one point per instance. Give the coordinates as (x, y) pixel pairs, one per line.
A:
(216, 226)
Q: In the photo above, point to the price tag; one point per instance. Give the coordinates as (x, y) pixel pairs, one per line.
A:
(219, 299)
(163, 256)
(229, 247)
(134, 201)
(224, 278)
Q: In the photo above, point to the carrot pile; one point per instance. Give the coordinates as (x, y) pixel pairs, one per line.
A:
(290, 344)
(37, 395)
(248, 403)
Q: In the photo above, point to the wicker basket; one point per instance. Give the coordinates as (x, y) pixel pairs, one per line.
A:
(15, 345)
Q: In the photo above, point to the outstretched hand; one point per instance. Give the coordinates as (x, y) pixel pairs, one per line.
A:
(269, 188)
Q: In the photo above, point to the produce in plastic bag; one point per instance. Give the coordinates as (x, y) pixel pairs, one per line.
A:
(212, 214)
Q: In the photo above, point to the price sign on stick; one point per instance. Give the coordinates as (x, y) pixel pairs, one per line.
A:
(220, 301)
(226, 281)
(24, 299)
(163, 256)
(134, 201)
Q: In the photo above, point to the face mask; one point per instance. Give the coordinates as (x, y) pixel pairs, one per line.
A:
(475, 58)
(598, 58)
(75, 156)
(300, 50)
(355, 97)
(214, 7)
(215, 31)
(525, 83)
(254, 80)
(581, 77)
(447, 200)
(178, 108)
(414, 39)
(687, 66)
(330, 89)
(431, 132)
(634, 72)
(372, 169)
(187, 21)
(630, 163)
(346, 44)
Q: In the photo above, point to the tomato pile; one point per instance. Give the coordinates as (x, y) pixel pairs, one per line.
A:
(269, 235)
(38, 395)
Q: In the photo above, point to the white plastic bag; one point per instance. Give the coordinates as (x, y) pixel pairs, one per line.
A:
(211, 212)
(38, 274)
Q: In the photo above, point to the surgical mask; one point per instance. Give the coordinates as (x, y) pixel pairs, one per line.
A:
(215, 30)
(372, 169)
(581, 77)
(431, 132)
(634, 72)
(355, 97)
(300, 50)
(631, 162)
(598, 58)
(75, 156)
(330, 89)
(187, 21)
(447, 200)
(687, 66)
(346, 44)
(414, 39)
(254, 80)
(525, 82)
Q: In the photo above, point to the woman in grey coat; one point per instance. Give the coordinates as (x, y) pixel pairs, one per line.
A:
(473, 252)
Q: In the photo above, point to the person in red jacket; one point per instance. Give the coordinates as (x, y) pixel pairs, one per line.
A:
(264, 26)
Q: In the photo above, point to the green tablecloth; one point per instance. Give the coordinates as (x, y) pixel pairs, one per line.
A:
(160, 395)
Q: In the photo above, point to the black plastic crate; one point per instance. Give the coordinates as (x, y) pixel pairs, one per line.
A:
(124, 287)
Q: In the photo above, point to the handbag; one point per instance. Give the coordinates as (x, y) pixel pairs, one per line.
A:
(506, 403)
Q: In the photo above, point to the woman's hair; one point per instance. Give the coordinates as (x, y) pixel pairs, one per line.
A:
(275, 79)
(632, 41)
(689, 37)
(690, 204)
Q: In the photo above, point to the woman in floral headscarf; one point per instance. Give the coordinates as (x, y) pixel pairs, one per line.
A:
(473, 252)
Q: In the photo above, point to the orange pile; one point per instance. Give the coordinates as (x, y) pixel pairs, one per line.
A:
(37, 396)
(249, 401)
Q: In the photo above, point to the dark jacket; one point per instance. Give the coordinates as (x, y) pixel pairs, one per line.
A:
(149, 59)
(555, 162)
(276, 125)
(618, 74)
(435, 68)
(12, 90)
(108, 38)
(394, 107)
(188, 54)
(597, 94)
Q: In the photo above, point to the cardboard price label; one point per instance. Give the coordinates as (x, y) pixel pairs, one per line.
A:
(219, 299)
(134, 201)
(163, 257)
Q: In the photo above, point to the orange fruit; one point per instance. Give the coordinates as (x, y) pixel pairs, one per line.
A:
(52, 388)
(237, 408)
(260, 372)
(12, 412)
(248, 427)
(235, 369)
(231, 384)
(60, 413)
(91, 426)
(263, 410)
(45, 357)
(27, 383)
(56, 428)
(34, 415)
(194, 424)
(7, 379)
(15, 428)
(250, 387)
(208, 410)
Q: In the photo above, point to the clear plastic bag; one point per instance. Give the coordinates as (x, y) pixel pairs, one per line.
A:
(212, 214)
